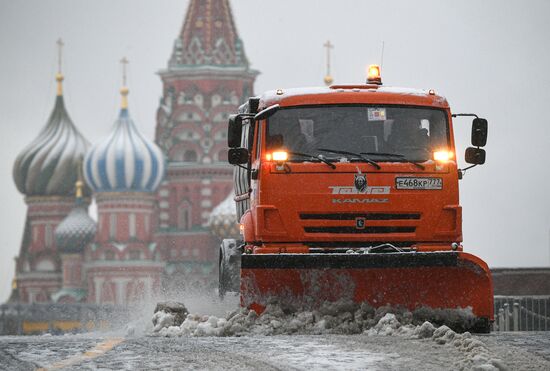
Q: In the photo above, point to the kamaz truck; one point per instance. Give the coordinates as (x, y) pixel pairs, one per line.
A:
(351, 192)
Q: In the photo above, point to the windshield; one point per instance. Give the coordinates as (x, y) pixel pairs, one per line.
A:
(381, 133)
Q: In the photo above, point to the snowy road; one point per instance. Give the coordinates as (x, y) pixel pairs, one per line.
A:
(404, 349)
(516, 351)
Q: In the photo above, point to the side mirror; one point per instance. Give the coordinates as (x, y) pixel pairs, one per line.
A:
(475, 156)
(234, 131)
(237, 156)
(479, 132)
(253, 104)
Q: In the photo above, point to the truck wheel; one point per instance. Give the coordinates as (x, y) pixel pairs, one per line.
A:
(482, 326)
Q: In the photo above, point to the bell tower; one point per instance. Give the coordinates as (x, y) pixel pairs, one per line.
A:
(207, 78)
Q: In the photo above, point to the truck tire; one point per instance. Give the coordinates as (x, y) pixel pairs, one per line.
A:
(482, 326)
(229, 266)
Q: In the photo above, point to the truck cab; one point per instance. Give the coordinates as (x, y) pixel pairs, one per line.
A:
(348, 166)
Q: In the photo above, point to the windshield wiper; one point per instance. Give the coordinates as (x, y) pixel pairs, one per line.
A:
(359, 155)
(397, 155)
(319, 157)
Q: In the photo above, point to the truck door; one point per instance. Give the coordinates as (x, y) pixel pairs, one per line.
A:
(241, 175)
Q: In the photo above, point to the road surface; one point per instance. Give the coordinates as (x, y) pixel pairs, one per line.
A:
(112, 351)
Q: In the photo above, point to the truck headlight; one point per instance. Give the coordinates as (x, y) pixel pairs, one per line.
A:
(443, 156)
(280, 156)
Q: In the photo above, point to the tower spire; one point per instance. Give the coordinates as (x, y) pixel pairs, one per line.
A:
(328, 78)
(124, 90)
(59, 75)
(209, 37)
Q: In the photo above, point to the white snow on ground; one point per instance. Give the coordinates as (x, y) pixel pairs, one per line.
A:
(338, 318)
(310, 353)
(162, 319)
(476, 354)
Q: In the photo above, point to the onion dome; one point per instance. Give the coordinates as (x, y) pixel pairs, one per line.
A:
(77, 230)
(223, 219)
(126, 161)
(49, 166)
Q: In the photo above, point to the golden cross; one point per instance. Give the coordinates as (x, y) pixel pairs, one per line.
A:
(329, 46)
(124, 61)
(59, 53)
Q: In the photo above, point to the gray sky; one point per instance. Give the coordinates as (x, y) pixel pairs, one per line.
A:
(488, 57)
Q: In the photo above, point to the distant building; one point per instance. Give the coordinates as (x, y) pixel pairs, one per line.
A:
(156, 229)
(207, 78)
(521, 281)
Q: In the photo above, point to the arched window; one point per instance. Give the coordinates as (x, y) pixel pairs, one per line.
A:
(199, 100)
(216, 100)
(190, 156)
(184, 216)
(181, 155)
(132, 225)
(146, 223)
(112, 226)
(49, 235)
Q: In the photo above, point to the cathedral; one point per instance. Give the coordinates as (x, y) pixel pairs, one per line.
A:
(163, 205)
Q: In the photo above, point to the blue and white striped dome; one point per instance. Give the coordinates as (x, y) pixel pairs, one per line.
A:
(125, 162)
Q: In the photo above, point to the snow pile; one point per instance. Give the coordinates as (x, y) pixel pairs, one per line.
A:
(195, 325)
(341, 317)
(389, 325)
(162, 319)
(477, 355)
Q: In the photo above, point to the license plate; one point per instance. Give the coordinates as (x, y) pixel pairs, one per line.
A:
(418, 183)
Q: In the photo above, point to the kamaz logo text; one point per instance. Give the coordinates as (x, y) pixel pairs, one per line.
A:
(359, 200)
(381, 190)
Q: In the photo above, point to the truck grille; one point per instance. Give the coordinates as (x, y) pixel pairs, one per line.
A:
(367, 216)
(366, 230)
(376, 223)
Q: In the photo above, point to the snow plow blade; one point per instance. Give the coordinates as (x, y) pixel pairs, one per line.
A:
(417, 281)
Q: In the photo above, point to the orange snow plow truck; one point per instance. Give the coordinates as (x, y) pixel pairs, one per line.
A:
(351, 193)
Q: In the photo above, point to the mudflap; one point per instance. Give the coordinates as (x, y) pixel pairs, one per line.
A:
(427, 282)
(229, 266)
